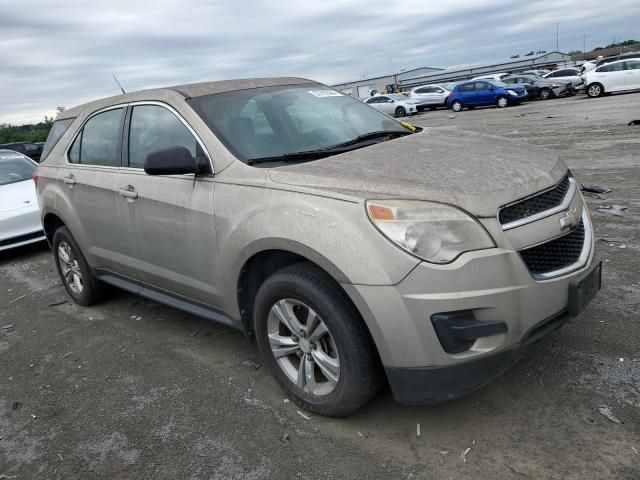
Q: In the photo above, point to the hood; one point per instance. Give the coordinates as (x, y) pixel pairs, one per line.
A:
(17, 195)
(478, 173)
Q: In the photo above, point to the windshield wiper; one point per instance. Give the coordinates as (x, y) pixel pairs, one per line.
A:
(325, 152)
(371, 136)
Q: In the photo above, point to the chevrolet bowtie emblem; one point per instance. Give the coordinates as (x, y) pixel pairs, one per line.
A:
(569, 219)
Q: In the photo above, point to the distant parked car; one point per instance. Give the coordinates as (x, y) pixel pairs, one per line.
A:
(566, 75)
(541, 72)
(19, 213)
(613, 58)
(492, 76)
(586, 66)
(31, 150)
(539, 87)
(617, 76)
(485, 92)
(394, 104)
(430, 96)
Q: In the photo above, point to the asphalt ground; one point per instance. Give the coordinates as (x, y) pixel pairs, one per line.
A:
(133, 389)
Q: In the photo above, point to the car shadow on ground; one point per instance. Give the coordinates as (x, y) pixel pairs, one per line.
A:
(22, 253)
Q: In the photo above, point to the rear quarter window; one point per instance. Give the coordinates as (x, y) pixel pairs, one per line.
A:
(56, 132)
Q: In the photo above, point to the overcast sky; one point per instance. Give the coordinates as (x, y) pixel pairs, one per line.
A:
(64, 53)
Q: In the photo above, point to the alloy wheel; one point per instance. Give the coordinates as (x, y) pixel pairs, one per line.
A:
(502, 102)
(303, 347)
(70, 268)
(595, 91)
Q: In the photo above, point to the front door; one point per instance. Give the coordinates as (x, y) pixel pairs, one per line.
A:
(484, 93)
(171, 216)
(632, 74)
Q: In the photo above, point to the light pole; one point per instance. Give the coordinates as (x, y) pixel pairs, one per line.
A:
(584, 44)
(557, 32)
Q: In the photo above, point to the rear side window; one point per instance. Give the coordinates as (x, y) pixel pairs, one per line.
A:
(98, 143)
(155, 128)
(57, 130)
(467, 87)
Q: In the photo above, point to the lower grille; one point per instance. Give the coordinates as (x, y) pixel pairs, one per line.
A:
(21, 238)
(557, 254)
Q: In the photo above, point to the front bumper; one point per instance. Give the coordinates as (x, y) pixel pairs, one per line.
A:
(495, 286)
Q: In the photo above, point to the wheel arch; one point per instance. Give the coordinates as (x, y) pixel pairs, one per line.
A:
(50, 223)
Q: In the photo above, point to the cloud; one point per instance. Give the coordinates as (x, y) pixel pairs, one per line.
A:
(64, 52)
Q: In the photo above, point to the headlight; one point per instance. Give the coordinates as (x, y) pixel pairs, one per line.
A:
(435, 232)
(512, 92)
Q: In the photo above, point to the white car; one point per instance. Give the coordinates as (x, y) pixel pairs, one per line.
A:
(430, 96)
(616, 76)
(586, 66)
(566, 75)
(394, 104)
(19, 212)
(493, 76)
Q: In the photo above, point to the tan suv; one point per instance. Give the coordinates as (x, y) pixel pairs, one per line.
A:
(354, 249)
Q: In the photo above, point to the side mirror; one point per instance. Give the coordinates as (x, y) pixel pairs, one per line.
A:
(170, 161)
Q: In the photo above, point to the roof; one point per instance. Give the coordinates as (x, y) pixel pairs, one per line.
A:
(185, 91)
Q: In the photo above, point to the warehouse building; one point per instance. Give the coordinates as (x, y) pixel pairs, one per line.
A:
(425, 75)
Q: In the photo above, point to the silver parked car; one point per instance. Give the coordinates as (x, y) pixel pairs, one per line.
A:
(394, 104)
(352, 248)
(566, 75)
(19, 214)
(430, 96)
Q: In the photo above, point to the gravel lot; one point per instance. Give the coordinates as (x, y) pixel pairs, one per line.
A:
(133, 389)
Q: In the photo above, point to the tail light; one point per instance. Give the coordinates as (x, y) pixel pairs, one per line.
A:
(34, 176)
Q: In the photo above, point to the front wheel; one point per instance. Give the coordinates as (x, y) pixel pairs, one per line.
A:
(545, 94)
(314, 342)
(595, 90)
(456, 106)
(503, 102)
(400, 112)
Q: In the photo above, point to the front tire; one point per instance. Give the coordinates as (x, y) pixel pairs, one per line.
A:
(595, 90)
(456, 106)
(314, 342)
(401, 112)
(502, 102)
(76, 274)
(545, 94)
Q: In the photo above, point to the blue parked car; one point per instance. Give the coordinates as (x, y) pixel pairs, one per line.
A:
(477, 93)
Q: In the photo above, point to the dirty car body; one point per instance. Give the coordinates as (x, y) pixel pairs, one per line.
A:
(345, 243)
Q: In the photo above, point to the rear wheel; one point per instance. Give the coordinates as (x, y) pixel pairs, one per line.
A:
(503, 102)
(314, 343)
(545, 94)
(400, 112)
(76, 275)
(595, 90)
(456, 106)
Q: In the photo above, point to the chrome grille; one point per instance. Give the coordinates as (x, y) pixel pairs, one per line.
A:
(537, 204)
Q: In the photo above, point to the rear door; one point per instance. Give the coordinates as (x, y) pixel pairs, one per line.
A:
(612, 76)
(89, 181)
(467, 93)
(171, 217)
(632, 74)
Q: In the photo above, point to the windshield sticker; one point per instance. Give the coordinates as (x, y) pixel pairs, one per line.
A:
(325, 93)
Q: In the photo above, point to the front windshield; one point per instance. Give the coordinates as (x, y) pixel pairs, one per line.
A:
(498, 83)
(275, 121)
(14, 168)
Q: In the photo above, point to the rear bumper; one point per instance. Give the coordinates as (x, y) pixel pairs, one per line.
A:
(428, 385)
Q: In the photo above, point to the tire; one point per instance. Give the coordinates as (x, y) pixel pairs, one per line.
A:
(401, 112)
(545, 94)
(502, 101)
(456, 106)
(595, 90)
(298, 292)
(76, 274)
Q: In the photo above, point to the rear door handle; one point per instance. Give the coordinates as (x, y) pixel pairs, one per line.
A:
(69, 180)
(128, 192)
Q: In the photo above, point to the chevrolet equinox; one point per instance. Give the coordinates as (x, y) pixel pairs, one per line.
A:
(352, 248)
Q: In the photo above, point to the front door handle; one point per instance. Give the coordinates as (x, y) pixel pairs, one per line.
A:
(128, 192)
(69, 180)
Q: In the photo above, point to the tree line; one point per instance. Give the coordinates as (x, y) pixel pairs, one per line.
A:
(25, 133)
